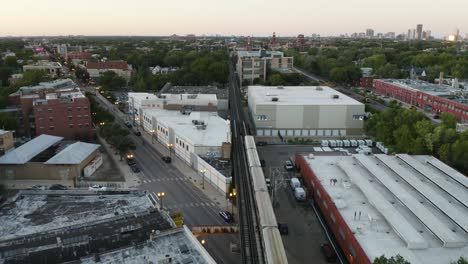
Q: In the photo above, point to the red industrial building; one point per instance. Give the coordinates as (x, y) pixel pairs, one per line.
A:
(431, 98)
(414, 206)
(366, 82)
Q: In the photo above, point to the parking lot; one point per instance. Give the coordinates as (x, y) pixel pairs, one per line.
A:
(305, 236)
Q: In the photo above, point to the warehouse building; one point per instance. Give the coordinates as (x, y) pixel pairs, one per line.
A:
(304, 111)
(431, 98)
(47, 157)
(415, 206)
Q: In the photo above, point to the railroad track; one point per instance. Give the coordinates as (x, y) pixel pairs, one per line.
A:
(251, 245)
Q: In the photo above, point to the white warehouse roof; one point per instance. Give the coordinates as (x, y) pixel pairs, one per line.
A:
(217, 129)
(414, 206)
(29, 150)
(73, 154)
(298, 95)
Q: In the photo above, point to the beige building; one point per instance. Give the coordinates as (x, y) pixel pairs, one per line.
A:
(253, 65)
(48, 158)
(51, 67)
(304, 111)
(7, 141)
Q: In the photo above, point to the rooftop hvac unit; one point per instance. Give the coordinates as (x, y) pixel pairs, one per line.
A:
(335, 96)
(274, 99)
(280, 87)
(319, 88)
(195, 122)
(201, 127)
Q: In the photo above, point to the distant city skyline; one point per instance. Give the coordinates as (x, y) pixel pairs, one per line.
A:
(242, 18)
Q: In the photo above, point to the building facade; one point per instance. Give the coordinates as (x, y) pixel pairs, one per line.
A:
(253, 65)
(304, 111)
(97, 68)
(52, 68)
(430, 98)
(7, 141)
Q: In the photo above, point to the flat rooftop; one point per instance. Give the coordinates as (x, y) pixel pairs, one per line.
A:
(415, 206)
(299, 95)
(64, 226)
(30, 149)
(220, 93)
(216, 132)
(33, 211)
(443, 90)
(177, 244)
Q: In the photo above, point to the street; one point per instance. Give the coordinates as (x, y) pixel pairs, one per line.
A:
(181, 195)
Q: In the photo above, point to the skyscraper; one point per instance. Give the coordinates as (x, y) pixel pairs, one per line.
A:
(419, 30)
(369, 33)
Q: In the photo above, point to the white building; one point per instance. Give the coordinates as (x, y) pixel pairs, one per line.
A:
(181, 102)
(304, 111)
(191, 136)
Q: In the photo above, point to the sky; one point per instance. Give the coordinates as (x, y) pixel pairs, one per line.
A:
(229, 17)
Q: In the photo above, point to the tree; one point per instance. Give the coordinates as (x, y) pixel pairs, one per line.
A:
(33, 77)
(124, 145)
(276, 79)
(461, 260)
(393, 260)
(8, 122)
(109, 80)
(82, 74)
(448, 120)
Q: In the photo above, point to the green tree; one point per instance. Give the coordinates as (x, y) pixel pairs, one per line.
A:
(8, 121)
(461, 260)
(109, 80)
(392, 260)
(33, 77)
(448, 120)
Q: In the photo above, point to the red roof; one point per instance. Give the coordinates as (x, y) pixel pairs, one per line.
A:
(122, 65)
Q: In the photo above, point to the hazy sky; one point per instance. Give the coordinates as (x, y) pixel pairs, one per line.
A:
(227, 17)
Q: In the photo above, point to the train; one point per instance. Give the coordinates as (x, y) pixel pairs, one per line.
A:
(271, 237)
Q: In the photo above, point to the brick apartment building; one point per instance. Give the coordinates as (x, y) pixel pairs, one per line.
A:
(55, 108)
(258, 64)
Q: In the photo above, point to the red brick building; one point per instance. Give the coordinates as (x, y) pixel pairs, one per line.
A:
(431, 98)
(366, 82)
(65, 114)
(381, 204)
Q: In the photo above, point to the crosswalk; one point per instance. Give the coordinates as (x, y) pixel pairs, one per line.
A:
(191, 205)
(164, 179)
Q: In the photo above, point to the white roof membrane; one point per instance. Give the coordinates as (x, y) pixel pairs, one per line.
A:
(452, 173)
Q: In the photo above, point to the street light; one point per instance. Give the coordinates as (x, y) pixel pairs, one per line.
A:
(152, 136)
(232, 195)
(161, 196)
(170, 145)
(203, 242)
(203, 171)
(102, 123)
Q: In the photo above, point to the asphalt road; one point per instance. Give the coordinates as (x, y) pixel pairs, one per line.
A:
(181, 195)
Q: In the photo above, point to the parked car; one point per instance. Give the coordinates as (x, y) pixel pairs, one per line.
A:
(288, 165)
(263, 163)
(135, 168)
(227, 216)
(328, 252)
(97, 187)
(283, 228)
(128, 124)
(131, 162)
(37, 187)
(137, 133)
(262, 143)
(58, 187)
(166, 159)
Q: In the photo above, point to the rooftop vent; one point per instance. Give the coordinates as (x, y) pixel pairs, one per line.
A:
(274, 99)
(319, 88)
(335, 96)
(280, 87)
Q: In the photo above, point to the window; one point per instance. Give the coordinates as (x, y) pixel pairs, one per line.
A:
(358, 117)
(176, 140)
(342, 234)
(332, 216)
(318, 194)
(80, 125)
(86, 125)
(325, 205)
(186, 147)
(70, 117)
(78, 109)
(70, 125)
(262, 117)
(51, 128)
(351, 250)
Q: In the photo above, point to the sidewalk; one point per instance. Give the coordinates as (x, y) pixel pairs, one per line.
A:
(133, 181)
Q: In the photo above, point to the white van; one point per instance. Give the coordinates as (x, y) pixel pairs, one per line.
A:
(299, 193)
(295, 183)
